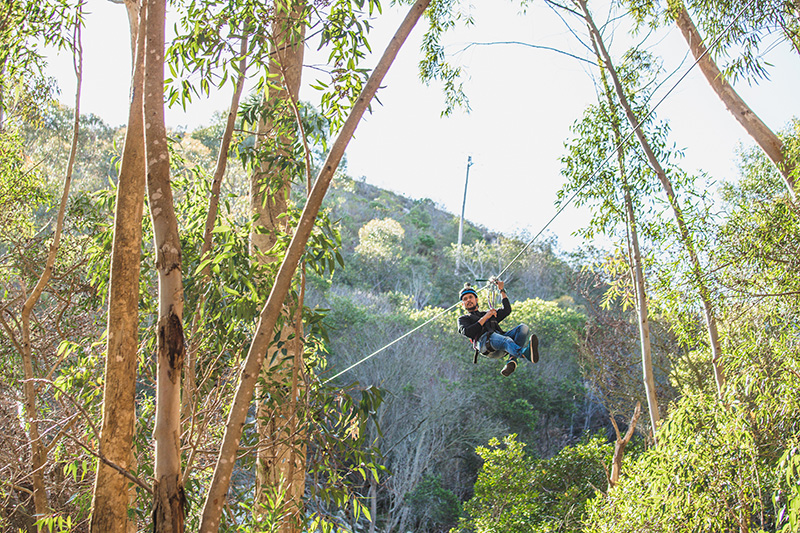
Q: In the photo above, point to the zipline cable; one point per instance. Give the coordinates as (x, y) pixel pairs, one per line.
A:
(379, 350)
(564, 205)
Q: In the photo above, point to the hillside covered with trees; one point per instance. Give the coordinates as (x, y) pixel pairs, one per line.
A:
(219, 329)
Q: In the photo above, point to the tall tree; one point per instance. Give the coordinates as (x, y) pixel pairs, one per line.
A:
(271, 311)
(111, 497)
(169, 498)
(280, 471)
(637, 273)
(635, 261)
(685, 234)
(619, 195)
(205, 49)
(216, 42)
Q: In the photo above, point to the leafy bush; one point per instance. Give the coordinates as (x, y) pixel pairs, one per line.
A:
(702, 476)
(515, 493)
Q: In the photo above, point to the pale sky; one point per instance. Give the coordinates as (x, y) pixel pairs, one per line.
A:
(523, 102)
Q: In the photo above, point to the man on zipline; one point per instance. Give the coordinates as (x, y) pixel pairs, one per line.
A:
(481, 327)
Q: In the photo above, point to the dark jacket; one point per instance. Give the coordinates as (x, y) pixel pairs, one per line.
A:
(469, 327)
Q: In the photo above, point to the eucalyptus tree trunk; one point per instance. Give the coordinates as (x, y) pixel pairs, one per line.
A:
(684, 233)
(637, 272)
(766, 139)
(280, 470)
(264, 333)
(644, 318)
(112, 495)
(169, 499)
(38, 448)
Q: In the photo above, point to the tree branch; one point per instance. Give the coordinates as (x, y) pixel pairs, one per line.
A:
(80, 443)
(537, 46)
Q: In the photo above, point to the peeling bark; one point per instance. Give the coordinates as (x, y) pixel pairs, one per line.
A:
(169, 499)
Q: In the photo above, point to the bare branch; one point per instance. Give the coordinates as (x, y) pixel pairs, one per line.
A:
(529, 45)
(80, 443)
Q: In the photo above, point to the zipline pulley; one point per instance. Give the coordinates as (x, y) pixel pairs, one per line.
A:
(493, 297)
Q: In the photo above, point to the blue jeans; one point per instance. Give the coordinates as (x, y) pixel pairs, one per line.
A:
(512, 342)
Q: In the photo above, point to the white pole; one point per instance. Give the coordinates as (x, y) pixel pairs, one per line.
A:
(461, 224)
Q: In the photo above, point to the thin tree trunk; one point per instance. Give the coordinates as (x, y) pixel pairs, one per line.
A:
(298, 389)
(637, 272)
(169, 499)
(112, 492)
(685, 235)
(766, 139)
(190, 379)
(38, 449)
(644, 320)
(620, 444)
(269, 191)
(262, 339)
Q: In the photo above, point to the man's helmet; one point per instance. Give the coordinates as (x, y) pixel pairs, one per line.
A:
(467, 290)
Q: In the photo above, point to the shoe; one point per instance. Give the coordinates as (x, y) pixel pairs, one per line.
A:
(511, 365)
(531, 352)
